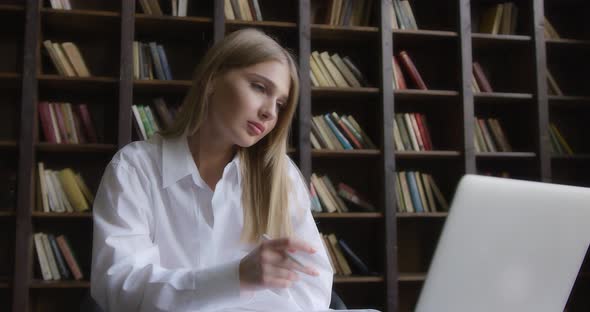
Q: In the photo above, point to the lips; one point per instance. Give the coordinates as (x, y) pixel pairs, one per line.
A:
(256, 127)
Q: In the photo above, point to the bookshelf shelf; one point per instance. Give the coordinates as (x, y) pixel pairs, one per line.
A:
(357, 279)
(479, 37)
(11, 8)
(424, 215)
(497, 97)
(399, 244)
(41, 284)
(87, 20)
(568, 99)
(567, 42)
(57, 13)
(80, 84)
(412, 277)
(427, 154)
(423, 34)
(7, 214)
(345, 153)
(425, 94)
(10, 80)
(171, 26)
(76, 148)
(575, 157)
(8, 145)
(64, 215)
(348, 215)
(343, 33)
(506, 155)
(333, 92)
(237, 24)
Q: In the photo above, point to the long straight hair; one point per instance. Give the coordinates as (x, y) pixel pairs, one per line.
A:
(263, 166)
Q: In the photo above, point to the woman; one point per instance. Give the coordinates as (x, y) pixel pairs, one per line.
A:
(178, 219)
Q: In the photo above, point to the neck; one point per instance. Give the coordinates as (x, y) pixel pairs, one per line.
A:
(210, 154)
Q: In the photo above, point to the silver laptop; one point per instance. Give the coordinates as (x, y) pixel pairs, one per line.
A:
(508, 245)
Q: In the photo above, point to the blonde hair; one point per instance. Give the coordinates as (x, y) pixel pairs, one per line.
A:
(265, 182)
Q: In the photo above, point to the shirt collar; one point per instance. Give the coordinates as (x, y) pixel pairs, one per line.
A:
(177, 163)
(176, 158)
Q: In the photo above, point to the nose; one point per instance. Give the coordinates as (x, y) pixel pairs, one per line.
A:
(268, 110)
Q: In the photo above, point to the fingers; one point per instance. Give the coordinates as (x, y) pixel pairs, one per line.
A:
(290, 244)
(282, 259)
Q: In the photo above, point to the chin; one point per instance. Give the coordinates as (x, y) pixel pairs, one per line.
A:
(247, 142)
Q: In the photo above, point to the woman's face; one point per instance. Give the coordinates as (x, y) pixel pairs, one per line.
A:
(246, 102)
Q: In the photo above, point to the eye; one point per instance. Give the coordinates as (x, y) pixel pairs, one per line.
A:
(258, 86)
(280, 106)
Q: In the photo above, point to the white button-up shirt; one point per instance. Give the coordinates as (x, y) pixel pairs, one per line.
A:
(164, 241)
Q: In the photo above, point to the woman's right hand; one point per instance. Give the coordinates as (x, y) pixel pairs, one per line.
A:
(268, 266)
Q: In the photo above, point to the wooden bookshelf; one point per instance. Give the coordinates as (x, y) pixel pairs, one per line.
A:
(397, 246)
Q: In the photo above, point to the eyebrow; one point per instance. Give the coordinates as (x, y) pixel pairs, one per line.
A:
(268, 81)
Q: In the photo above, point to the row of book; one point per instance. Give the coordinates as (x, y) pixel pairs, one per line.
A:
(341, 257)
(342, 12)
(176, 7)
(402, 15)
(150, 61)
(490, 136)
(56, 257)
(66, 123)
(418, 192)
(330, 131)
(150, 119)
(67, 59)
(480, 82)
(554, 88)
(62, 190)
(325, 197)
(246, 10)
(403, 60)
(559, 146)
(550, 31)
(332, 71)
(501, 18)
(411, 133)
(60, 4)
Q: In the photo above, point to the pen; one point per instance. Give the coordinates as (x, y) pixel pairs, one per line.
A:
(266, 237)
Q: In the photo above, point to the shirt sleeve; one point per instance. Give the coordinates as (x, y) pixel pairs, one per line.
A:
(126, 271)
(310, 293)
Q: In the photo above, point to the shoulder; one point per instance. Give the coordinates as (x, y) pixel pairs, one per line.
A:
(139, 155)
(298, 186)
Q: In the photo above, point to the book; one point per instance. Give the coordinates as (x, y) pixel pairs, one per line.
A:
(360, 130)
(61, 264)
(339, 255)
(87, 123)
(76, 59)
(438, 194)
(356, 261)
(482, 80)
(352, 196)
(42, 257)
(411, 70)
(333, 70)
(74, 194)
(348, 75)
(50, 258)
(355, 71)
(554, 88)
(66, 249)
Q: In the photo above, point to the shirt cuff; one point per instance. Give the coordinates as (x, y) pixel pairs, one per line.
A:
(221, 284)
